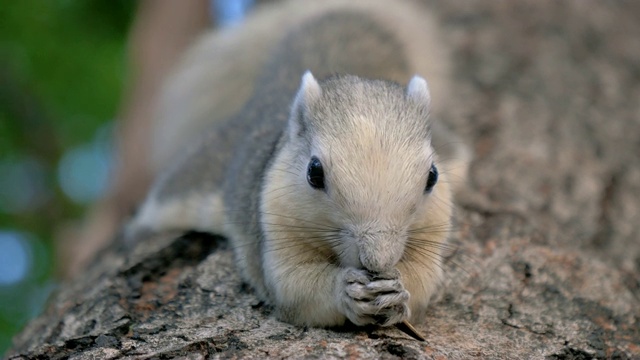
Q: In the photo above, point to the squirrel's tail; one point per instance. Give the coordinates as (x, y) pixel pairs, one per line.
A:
(216, 77)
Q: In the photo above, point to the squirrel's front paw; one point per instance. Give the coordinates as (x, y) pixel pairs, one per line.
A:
(372, 298)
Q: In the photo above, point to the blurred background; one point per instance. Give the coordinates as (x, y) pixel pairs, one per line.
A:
(63, 66)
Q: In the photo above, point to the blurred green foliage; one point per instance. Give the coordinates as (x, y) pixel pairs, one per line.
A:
(62, 66)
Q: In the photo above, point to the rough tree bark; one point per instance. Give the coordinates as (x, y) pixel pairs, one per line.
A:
(548, 257)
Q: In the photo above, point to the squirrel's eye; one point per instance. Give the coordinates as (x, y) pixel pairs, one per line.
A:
(432, 179)
(315, 174)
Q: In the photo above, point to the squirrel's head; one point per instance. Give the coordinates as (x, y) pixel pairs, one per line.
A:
(357, 173)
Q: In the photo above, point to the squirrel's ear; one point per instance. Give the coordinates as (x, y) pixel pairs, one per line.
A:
(309, 88)
(308, 93)
(418, 90)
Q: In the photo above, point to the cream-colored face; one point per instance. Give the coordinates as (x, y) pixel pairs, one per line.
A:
(373, 203)
(375, 192)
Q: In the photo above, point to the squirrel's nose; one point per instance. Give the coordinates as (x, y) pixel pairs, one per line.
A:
(379, 251)
(377, 262)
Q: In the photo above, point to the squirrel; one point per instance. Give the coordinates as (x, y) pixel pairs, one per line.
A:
(323, 174)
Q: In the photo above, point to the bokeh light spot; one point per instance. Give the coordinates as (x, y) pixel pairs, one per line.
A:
(83, 172)
(15, 257)
(229, 12)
